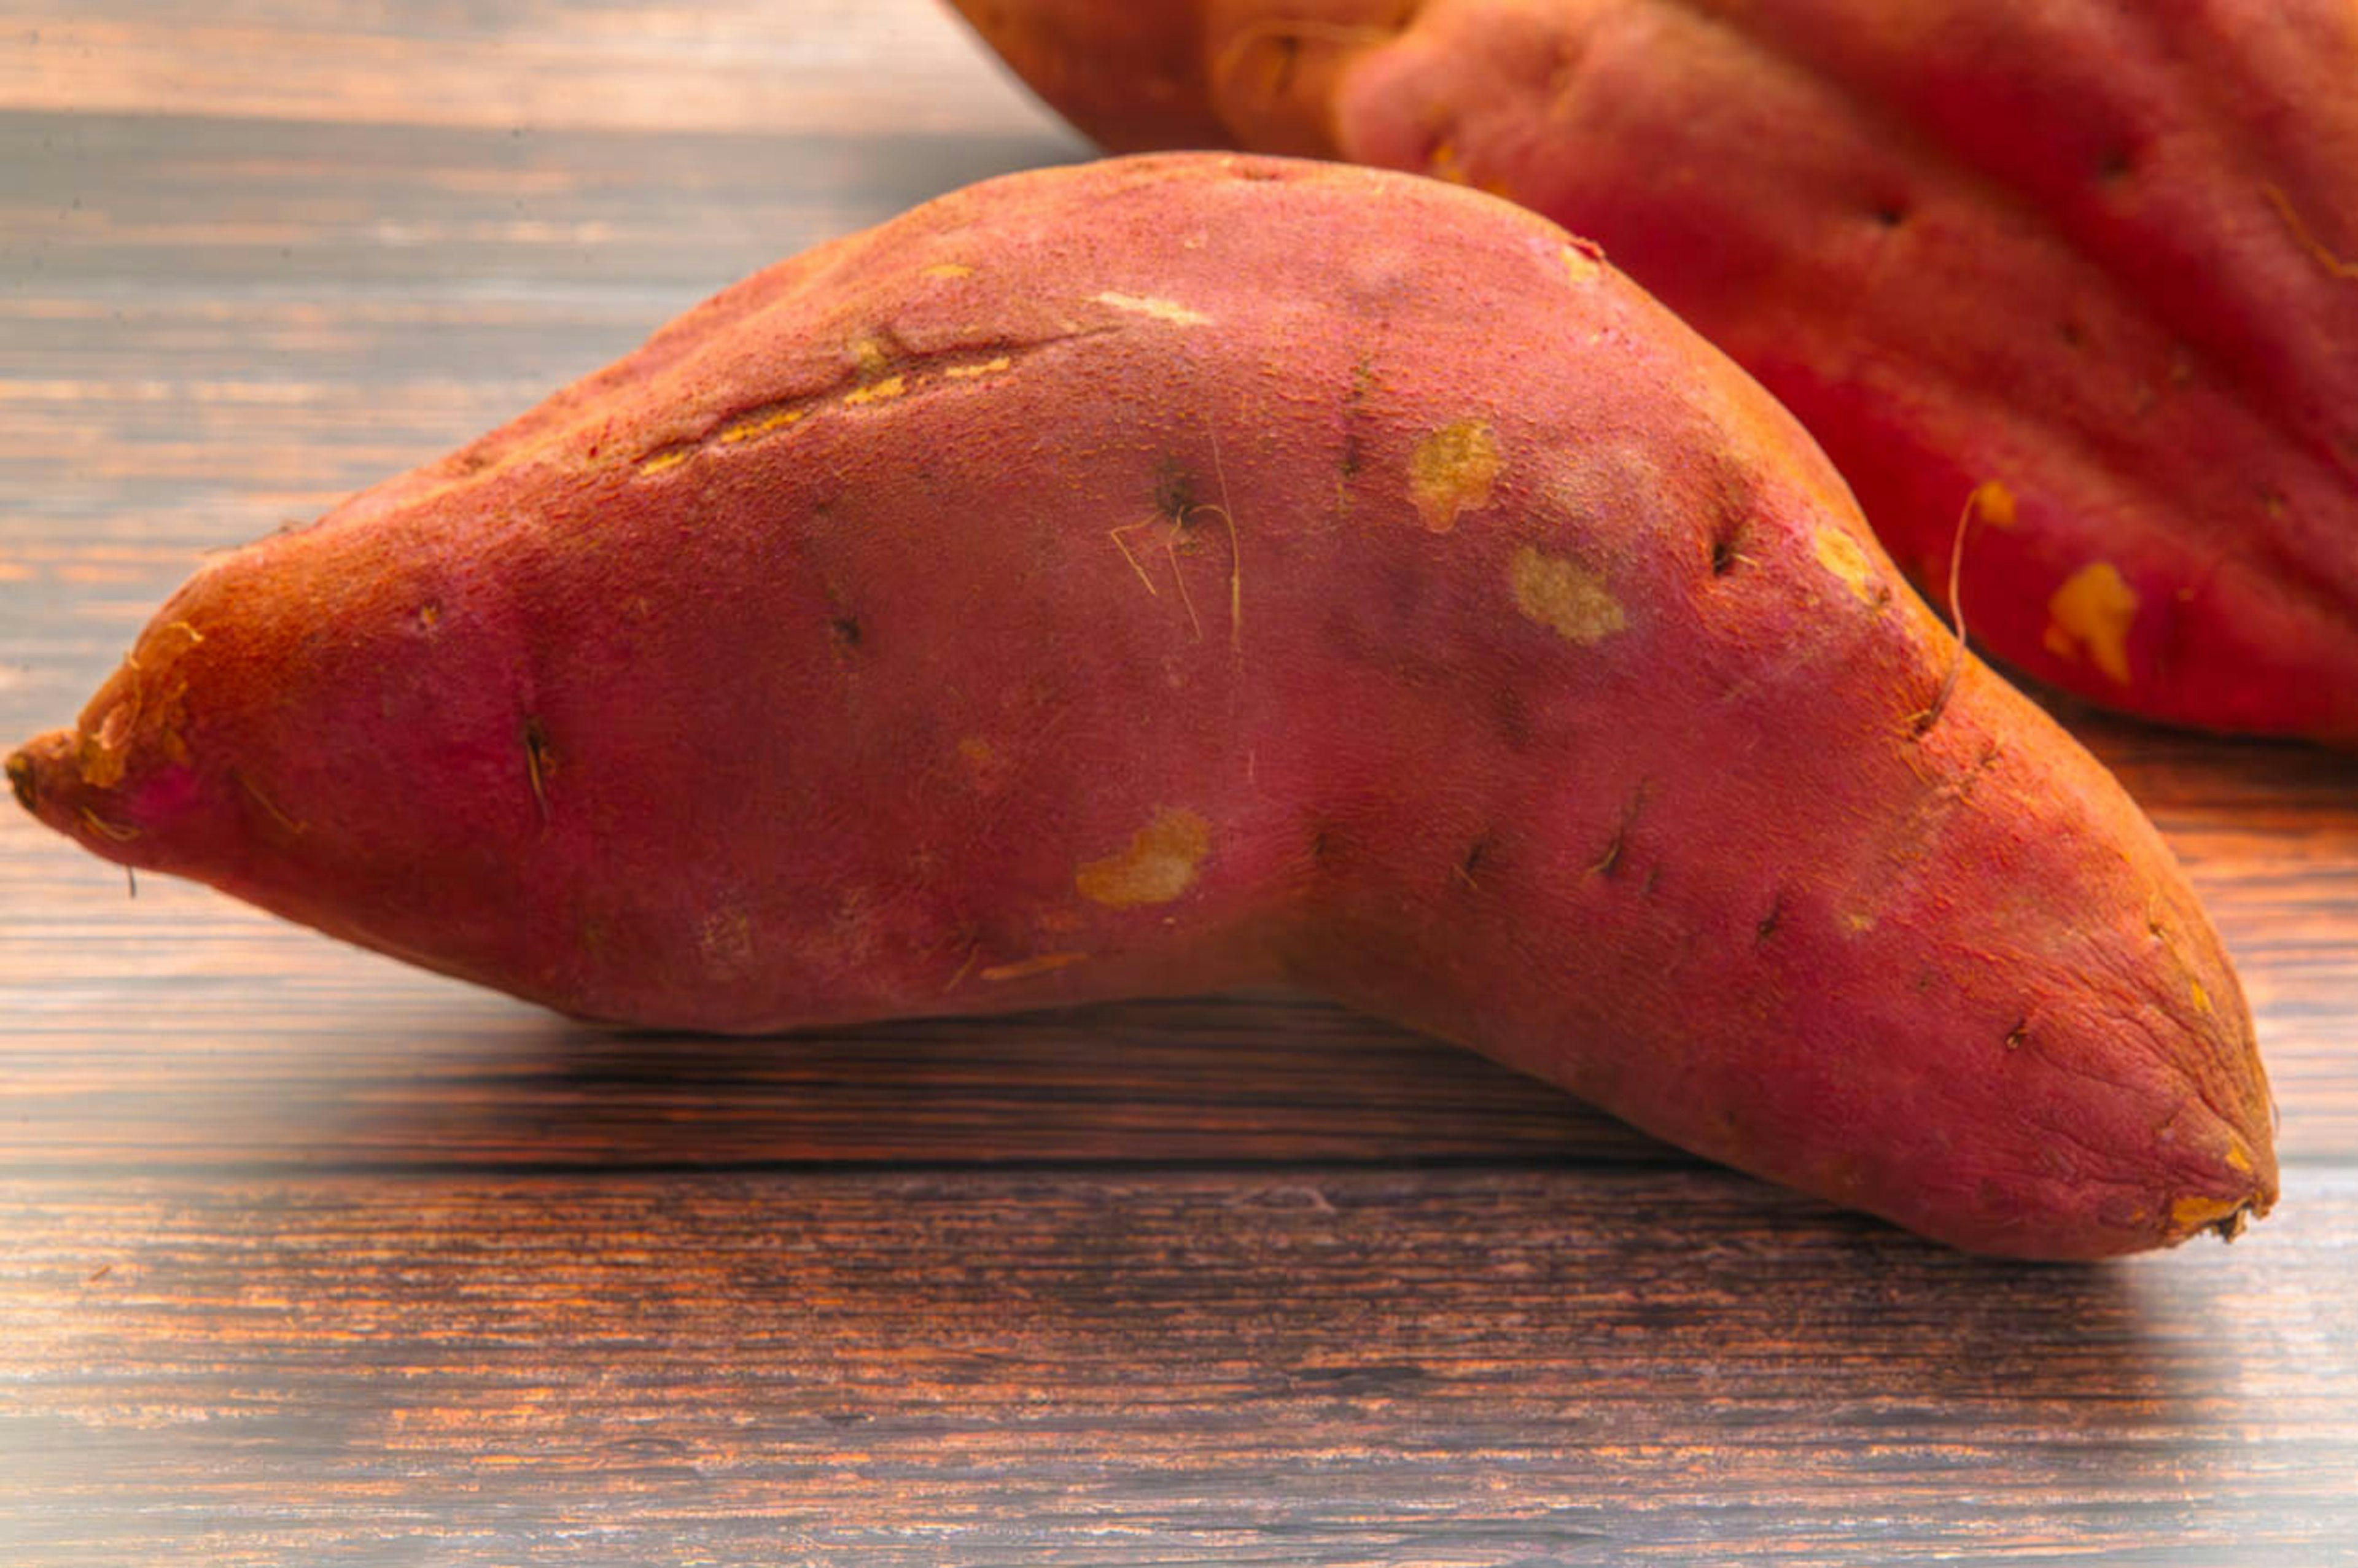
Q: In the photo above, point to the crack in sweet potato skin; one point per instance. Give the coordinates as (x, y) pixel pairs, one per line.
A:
(1132, 663)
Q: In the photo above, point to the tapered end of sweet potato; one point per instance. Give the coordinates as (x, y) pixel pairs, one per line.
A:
(122, 820)
(49, 779)
(283, 730)
(123, 783)
(23, 772)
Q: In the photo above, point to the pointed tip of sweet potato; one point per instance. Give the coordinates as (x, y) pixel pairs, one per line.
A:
(42, 774)
(22, 777)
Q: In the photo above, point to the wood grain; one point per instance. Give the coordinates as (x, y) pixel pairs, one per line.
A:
(788, 67)
(305, 1258)
(1301, 1366)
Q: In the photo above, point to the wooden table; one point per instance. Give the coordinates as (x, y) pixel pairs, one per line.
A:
(305, 1258)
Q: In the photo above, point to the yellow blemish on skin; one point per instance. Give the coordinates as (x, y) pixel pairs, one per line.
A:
(1581, 267)
(2238, 1160)
(1169, 310)
(892, 386)
(870, 355)
(1444, 163)
(1026, 968)
(2188, 1215)
(949, 269)
(976, 752)
(988, 367)
(746, 430)
(1993, 504)
(1159, 864)
(662, 461)
(2201, 997)
(2093, 612)
(1846, 558)
(1452, 472)
(1859, 922)
(1564, 596)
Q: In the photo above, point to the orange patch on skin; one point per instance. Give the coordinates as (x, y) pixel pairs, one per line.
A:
(1452, 471)
(2091, 614)
(1994, 503)
(149, 714)
(103, 751)
(1024, 968)
(2188, 1215)
(1158, 865)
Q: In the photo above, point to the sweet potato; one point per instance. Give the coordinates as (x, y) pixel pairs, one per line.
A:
(2099, 260)
(1153, 576)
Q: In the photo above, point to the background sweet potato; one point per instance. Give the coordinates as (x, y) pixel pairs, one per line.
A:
(2104, 255)
(1152, 576)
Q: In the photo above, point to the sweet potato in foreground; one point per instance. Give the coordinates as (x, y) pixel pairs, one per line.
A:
(2104, 255)
(1157, 576)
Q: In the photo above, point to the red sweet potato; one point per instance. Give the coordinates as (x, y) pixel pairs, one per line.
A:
(2104, 255)
(1152, 576)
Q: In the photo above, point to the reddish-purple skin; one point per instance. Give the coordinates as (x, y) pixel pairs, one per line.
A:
(1151, 577)
(2104, 254)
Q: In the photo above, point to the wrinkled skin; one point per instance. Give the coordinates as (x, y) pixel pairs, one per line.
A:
(2104, 255)
(1147, 577)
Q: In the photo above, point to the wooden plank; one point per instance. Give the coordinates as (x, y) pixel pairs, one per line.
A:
(780, 67)
(136, 208)
(1312, 1365)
